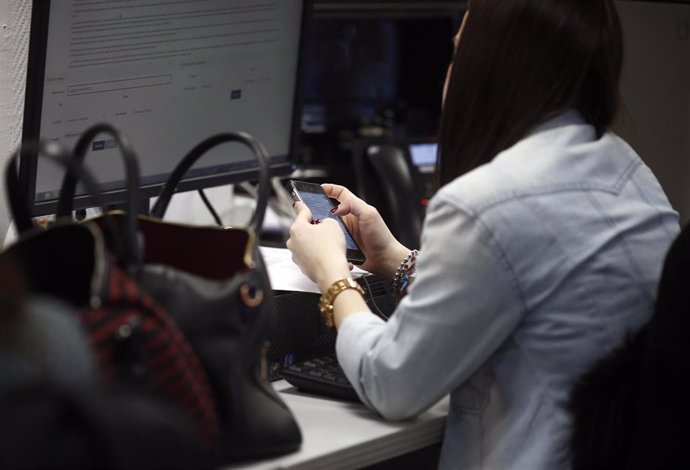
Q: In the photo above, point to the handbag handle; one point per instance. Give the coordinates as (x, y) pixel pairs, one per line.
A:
(131, 252)
(198, 151)
(18, 203)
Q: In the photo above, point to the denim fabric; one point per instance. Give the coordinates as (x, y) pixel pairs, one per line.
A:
(531, 268)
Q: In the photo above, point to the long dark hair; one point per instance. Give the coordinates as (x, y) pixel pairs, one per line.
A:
(521, 62)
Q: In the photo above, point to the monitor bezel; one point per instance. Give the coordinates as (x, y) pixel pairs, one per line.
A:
(35, 78)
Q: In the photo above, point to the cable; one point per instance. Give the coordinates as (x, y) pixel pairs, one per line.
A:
(249, 189)
(210, 208)
(283, 203)
(371, 297)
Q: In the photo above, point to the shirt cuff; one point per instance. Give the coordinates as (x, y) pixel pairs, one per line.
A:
(357, 335)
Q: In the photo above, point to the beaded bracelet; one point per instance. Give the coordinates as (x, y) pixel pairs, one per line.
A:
(405, 274)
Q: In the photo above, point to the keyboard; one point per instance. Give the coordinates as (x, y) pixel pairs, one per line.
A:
(320, 376)
(310, 338)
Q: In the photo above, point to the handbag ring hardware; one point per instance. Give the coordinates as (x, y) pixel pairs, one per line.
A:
(249, 298)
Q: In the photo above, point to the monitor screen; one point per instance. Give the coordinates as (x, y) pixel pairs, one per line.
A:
(423, 155)
(168, 74)
(381, 71)
(373, 73)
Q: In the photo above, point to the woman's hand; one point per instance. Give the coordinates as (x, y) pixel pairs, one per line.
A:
(318, 248)
(383, 252)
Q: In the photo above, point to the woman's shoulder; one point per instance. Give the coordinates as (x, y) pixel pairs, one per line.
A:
(564, 155)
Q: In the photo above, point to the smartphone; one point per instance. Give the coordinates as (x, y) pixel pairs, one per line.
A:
(320, 205)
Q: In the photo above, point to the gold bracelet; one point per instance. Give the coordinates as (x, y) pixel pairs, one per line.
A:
(328, 297)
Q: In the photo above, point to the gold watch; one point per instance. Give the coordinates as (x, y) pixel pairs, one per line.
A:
(328, 297)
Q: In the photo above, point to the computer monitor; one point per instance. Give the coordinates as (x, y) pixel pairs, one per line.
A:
(168, 74)
(374, 70)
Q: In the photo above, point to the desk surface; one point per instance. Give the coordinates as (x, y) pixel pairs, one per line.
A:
(342, 435)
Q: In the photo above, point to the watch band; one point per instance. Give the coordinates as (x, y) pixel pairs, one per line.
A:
(328, 297)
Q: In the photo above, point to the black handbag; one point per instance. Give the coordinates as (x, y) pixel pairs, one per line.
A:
(214, 284)
(124, 416)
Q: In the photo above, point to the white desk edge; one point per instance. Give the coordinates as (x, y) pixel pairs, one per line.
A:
(341, 435)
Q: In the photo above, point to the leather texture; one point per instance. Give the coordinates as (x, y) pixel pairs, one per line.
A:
(228, 335)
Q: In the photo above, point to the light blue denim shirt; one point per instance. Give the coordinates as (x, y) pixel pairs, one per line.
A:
(531, 268)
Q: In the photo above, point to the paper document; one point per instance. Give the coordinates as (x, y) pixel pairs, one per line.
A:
(284, 274)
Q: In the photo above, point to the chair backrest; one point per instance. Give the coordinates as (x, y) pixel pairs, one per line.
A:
(662, 415)
(601, 405)
(632, 408)
(387, 180)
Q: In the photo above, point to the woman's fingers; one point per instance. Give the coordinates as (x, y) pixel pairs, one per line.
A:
(336, 190)
(303, 213)
(349, 203)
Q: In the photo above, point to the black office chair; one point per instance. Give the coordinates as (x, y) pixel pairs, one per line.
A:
(387, 180)
(632, 409)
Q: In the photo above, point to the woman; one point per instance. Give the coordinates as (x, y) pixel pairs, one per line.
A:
(540, 252)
